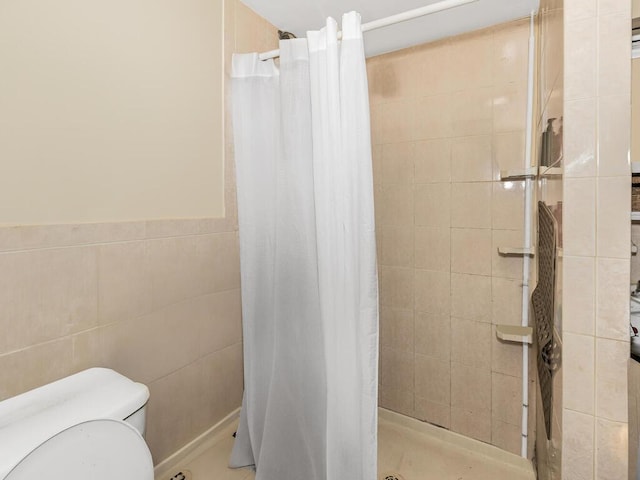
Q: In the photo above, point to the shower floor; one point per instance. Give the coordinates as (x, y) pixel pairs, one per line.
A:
(407, 449)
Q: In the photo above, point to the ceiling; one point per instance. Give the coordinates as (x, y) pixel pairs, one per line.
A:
(298, 16)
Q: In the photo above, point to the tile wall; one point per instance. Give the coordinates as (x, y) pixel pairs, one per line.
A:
(549, 106)
(596, 206)
(446, 118)
(158, 301)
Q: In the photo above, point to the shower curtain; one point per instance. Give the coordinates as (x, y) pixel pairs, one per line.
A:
(308, 264)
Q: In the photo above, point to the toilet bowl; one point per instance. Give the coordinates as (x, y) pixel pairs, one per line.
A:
(86, 426)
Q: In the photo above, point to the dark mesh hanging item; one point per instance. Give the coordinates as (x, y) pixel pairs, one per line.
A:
(542, 301)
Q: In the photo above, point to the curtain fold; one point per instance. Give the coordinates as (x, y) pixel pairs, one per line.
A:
(307, 240)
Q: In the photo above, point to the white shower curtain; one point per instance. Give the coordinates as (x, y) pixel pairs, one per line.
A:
(307, 242)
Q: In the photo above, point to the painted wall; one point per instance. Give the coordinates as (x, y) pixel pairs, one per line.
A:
(111, 111)
(157, 300)
(446, 118)
(596, 204)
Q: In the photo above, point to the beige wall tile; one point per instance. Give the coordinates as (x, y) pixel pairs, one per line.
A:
(613, 228)
(433, 379)
(471, 297)
(471, 112)
(179, 267)
(579, 294)
(465, 379)
(579, 138)
(509, 108)
(506, 357)
(225, 267)
(579, 217)
(395, 399)
(614, 136)
(47, 294)
(471, 159)
(432, 292)
(218, 395)
(394, 205)
(435, 80)
(506, 436)
(433, 412)
(377, 126)
(614, 50)
(222, 321)
(580, 67)
(396, 287)
(138, 348)
(432, 163)
(433, 335)
(507, 206)
(376, 162)
(433, 248)
(579, 372)
(396, 369)
(506, 301)
(86, 349)
(474, 424)
(611, 449)
(506, 266)
(34, 366)
(510, 53)
(397, 163)
(506, 398)
(578, 445)
(124, 282)
(508, 152)
(395, 245)
(398, 122)
(168, 412)
(471, 61)
(612, 358)
(471, 205)
(578, 9)
(397, 328)
(471, 251)
(612, 304)
(471, 343)
(433, 204)
(614, 6)
(434, 117)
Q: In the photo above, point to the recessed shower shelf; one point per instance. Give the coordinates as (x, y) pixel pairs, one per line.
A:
(635, 216)
(514, 333)
(531, 172)
(516, 251)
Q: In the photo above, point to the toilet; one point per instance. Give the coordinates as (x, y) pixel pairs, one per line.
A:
(86, 426)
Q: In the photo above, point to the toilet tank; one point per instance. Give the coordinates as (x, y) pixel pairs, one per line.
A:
(33, 417)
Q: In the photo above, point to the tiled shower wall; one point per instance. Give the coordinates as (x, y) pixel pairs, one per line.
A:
(446, 118)
(549, 105)
(597, 188)
(158, 301)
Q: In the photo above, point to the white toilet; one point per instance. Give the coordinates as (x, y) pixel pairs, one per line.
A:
(86, 426)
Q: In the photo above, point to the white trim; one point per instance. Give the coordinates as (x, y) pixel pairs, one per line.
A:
(393, 19)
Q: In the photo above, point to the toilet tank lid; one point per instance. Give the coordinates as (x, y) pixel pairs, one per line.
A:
(29, 419)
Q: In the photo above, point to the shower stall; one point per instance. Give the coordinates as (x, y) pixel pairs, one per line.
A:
(455, 155)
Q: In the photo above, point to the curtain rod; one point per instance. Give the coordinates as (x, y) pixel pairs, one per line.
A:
(393, 19)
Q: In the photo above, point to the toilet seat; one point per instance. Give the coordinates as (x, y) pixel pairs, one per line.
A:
(96, 450)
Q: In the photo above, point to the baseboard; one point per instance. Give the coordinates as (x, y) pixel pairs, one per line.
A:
(195, 446)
